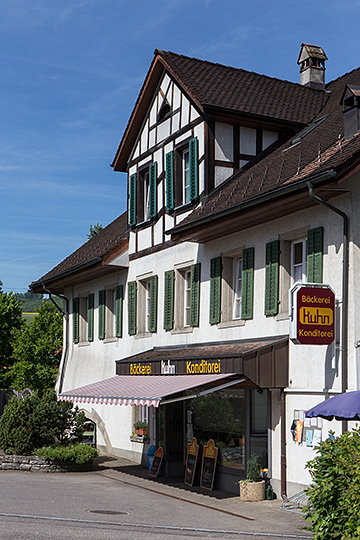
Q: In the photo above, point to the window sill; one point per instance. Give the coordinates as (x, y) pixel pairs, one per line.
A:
(83, 344)
(143, 335)
(139, 439)
(185, 330)
(109, 340)
(282, 317)
(231, 324)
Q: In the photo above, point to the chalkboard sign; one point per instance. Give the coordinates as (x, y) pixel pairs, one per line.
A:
(156, 462)
(191, 459)
(208, 465)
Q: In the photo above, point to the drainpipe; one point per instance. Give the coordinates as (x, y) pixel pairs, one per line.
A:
(345, 290)
(65, 313)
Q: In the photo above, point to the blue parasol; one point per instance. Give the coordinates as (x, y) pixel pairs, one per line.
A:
(341, 407)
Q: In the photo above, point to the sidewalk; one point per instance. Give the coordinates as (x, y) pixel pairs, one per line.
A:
(264, 516)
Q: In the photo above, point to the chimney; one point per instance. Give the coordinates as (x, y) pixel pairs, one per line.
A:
(312, 66)
(351, 108)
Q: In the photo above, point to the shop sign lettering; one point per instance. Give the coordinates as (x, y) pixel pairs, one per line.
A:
(140, 369)
(202, 367)
(167, 369)
(314, 311)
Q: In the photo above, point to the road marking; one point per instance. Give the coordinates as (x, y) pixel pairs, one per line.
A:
(159, 527)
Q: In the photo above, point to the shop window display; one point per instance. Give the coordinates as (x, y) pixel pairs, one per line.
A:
(220, 416)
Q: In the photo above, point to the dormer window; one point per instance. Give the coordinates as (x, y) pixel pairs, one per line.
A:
(164, 111)
(351, 108)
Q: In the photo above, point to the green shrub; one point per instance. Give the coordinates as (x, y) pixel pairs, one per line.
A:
(334, 494)
(33, 422)
(80, 454)
(253, 469)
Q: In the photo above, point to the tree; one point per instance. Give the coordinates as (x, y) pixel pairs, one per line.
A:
(28, 424)
(37, 352)
(334, 494)
(94, 230)
(10, 323)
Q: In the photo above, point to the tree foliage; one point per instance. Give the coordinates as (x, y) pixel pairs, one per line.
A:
(10, 323)
(33, 422)
(94, 230)
(37, 352)
(334, 494)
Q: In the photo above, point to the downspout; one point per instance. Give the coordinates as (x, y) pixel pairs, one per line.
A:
(65, 314)
(345, 290)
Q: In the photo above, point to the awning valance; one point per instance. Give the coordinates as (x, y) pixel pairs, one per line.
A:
(142, 389)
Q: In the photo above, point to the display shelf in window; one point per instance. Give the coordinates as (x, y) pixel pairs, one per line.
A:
(89, 435)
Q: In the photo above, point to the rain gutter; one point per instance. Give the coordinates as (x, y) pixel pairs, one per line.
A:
(345, 289)
(65, 314)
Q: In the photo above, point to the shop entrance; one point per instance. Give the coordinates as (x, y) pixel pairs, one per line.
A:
(237, 419)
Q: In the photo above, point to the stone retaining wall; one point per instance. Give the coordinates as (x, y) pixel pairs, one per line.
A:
(36, 463)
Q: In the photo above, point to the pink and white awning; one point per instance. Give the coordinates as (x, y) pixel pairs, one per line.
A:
(137, 389)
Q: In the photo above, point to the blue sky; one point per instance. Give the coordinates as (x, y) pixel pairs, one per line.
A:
(70, 75)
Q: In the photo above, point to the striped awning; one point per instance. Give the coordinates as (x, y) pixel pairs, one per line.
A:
(139, 389)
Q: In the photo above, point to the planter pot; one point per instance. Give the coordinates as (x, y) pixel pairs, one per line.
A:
(142, 431)
(252, 491)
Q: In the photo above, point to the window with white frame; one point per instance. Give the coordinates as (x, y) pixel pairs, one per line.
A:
(187, 297)
(147, 305)
(232, 287)
(182, 298)
(186, 176)
(298, 260)
(237, 284)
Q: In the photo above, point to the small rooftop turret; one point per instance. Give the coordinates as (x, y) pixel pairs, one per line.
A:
(312, 66)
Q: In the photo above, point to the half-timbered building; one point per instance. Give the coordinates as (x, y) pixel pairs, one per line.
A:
(239, 186)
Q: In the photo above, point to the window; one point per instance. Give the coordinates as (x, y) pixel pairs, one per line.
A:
(143, 195)
(182, 188)
(232, 287)
(186, 176)
(110, 313)
(142, 305)
(82, 319)
(301, 260)
(237, 288)
(184, 286)
(187, 297)
(298, 261)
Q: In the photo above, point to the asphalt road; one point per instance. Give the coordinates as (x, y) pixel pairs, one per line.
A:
(91, 506)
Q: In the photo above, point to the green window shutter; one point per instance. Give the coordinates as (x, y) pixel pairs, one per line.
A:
(195, 294)
(132, 307)
(215, 290)
(169, 165)
(272, 278)
(75, 314)
(119, 310)
(152, 189)
(194, 168)
(247, 290)
(102, 299)
(315, 255)
(169, 300)
(132, 199)
(90, 317)
(153, 303)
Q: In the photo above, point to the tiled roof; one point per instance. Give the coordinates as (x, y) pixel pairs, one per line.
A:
(209, 350)
(109, 239)
(311, 151)
(222, 87)
(244, 91)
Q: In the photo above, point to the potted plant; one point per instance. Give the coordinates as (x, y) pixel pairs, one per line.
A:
(141, 428)
(253, 487)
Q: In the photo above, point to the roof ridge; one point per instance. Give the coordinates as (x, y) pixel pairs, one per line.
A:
(342, 76)
(233, 68)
